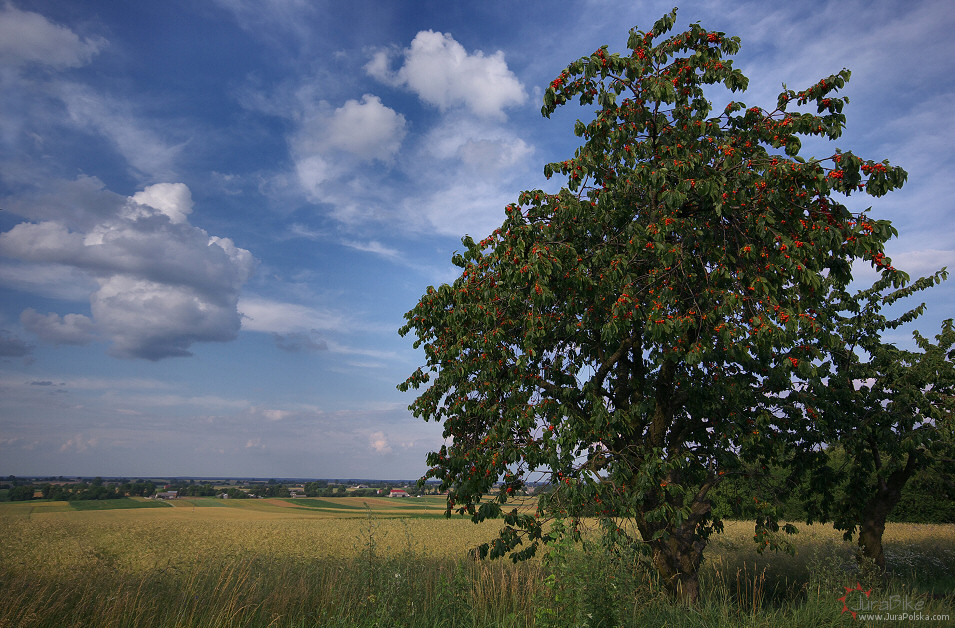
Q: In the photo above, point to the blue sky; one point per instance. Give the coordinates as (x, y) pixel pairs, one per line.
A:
(215, 214)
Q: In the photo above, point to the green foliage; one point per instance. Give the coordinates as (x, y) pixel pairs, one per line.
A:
(889, 409)
(591, 583)
(21, 493)
(235, 493)
(636, 336)
(273, 490)
(194, 490)
(929, 497)
(95, 490)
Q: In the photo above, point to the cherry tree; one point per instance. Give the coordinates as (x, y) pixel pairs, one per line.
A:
(642, 332)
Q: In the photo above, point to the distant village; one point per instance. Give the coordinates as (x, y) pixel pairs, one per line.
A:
(14, 488)
(305, 489)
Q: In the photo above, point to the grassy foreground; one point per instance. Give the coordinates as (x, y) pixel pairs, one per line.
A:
(327, 563)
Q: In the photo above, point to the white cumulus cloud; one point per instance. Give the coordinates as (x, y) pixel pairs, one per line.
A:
(328, 143)
(159, 283)
(153, 320)
(172, 199)
(442, 73)
(367, 129)
(379, 443)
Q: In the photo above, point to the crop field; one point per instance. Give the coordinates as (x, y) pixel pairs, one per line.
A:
(137, 540)
(368, 562)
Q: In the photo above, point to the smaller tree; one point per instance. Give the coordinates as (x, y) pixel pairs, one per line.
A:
(929, 496)
(891, 408)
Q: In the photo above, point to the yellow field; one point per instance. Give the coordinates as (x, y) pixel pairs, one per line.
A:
(137, 540)
(207, 562)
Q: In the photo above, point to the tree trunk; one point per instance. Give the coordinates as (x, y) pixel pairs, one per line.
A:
(870, 534)
(887, 496)
(677, 558)
(678, 552)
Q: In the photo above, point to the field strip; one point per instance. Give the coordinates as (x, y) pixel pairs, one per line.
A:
(139, 540)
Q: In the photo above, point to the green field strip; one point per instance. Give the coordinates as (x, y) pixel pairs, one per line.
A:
(114, 504)
(404, 503)
(322, 504)
(30, 508)
(205, 502)
(384, 508)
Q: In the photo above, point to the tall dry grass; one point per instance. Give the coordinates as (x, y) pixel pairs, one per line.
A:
(185, 567)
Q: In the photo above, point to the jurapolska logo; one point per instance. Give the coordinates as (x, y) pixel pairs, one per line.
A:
(849, 599)
(858, 600)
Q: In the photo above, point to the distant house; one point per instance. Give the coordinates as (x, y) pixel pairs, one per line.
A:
(397, 492)
(166, 495)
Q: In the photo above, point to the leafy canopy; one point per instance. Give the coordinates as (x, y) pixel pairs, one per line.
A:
(634, 336)
(889, 409)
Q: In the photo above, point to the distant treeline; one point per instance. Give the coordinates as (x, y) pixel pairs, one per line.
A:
(97, 489)
(18, 489)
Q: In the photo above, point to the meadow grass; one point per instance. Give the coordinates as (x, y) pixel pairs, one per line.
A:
(264, 564)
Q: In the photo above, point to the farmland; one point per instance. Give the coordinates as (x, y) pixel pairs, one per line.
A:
(380, 561)
(137, 540)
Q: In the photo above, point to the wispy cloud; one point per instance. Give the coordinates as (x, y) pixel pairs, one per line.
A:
(29, 38)
(362, 164)
(273, 21)
(375, 247)
(150, 155)
(300, 342)
(13, 346)
(261, 314)
(79, 443)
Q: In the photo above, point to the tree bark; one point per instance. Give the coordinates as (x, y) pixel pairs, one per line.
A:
(677, 554)
(677, 558)
(876, 512)
(871, 529)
